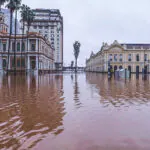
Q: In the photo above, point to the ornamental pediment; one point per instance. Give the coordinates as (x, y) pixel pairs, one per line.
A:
(116, 49)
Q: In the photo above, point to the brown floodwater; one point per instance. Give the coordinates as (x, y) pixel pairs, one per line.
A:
(74, 112)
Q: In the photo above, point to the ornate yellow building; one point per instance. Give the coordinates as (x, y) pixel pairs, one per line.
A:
(133, 57)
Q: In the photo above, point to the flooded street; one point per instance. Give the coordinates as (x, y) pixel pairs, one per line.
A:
(74, 112)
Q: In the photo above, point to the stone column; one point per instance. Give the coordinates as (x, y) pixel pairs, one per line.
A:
(36, 47)
(9, 62)
(37, 62)
(28, 45)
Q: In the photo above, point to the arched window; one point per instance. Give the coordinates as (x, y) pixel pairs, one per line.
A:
(18, 46)
(115, 68)
(120, 67)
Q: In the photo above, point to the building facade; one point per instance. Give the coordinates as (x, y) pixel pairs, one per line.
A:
(49, 23)
(30, 52)
(133, 57)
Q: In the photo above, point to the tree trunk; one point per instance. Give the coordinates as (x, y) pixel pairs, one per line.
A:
(15, 42)
(38, 54)
(10, 33)
(76, 65)
(27, 49)
(22, 45)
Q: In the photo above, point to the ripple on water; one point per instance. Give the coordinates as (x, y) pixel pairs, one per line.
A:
(63, 111)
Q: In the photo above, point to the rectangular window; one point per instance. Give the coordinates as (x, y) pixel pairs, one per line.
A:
(145, 57)
(35, 27)
(13, 62)
(4, 47)
(120, 57)
(115, 57)
(33, 47)
(23, 46)
(18, 47)
(137, 57)
(23, 63)
(18, 62)
(13, 46)
(4, 63)
(40, 27)
(110, 57)
(129, 57)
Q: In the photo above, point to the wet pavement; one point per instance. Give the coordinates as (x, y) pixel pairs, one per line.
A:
(74, 112)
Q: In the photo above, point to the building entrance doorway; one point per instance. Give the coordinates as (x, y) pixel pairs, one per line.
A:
(129, 68)
(115, 68)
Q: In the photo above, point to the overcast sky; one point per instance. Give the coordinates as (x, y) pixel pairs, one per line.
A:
(95, 21)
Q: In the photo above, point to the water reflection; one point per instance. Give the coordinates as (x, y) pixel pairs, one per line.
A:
(30, 108)
(117, 93)
(74, 111)
(76, 92)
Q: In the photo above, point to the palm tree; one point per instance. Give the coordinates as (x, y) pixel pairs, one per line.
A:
(11, 6)
(17, 7)
(24, 10)
(76, 46)
(2, 3)
(30, 18)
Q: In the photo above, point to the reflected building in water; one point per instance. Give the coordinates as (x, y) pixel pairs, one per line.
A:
(120, 92)
(30, 108)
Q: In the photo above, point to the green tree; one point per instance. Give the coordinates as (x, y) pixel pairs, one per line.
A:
(24, 11)
(30, 19)
(76, 46)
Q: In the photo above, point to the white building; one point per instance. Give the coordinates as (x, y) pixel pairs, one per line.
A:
(7, 21)
(49, 23)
